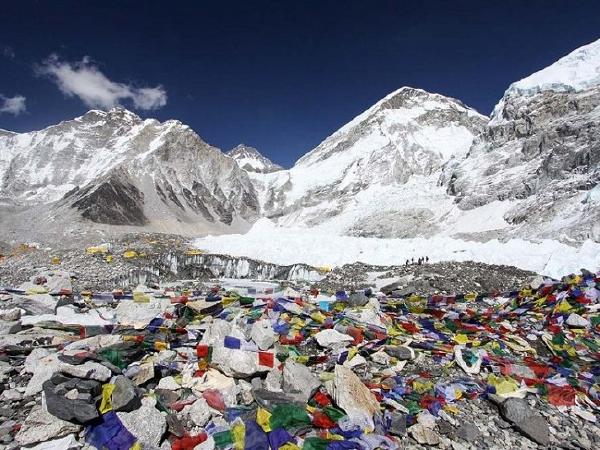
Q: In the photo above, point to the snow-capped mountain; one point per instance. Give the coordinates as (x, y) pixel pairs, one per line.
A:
(541, 152)
(415, 164)
(115, 168)
(251, 160)
(376, 175)
(419, 164)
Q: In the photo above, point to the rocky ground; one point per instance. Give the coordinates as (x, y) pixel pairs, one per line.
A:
(136, 258)
(155, 254)
(183, 364)
(443, 277)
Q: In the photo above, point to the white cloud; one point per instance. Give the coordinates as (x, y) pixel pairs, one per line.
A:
(84, 80)
(12, 105)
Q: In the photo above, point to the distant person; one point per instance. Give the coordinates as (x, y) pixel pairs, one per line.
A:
(412, 260)
(427, 259)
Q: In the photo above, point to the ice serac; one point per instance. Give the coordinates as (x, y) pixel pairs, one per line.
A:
(541, 152)
(115, 168)
(251, 160)
(377, 175)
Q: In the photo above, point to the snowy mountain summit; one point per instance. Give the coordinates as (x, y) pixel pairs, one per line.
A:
(576, 71)
(372, 176)
(251, 160)
(414, 165)
(112, 168)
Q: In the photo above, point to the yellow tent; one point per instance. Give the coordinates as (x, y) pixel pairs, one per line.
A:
(97, 250)
(130, 254)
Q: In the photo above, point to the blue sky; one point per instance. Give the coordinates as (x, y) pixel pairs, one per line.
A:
(277, 75)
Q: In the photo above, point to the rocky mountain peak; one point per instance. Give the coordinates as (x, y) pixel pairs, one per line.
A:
(398, 121)
(251, 160)
(575, 72)
(538, 155)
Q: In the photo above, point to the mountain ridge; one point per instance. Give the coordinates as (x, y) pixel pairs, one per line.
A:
(251, 160)
(414, 164)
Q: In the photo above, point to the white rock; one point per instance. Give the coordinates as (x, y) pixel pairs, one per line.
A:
(89, 369)
(357, 361)
(5, 369)
(236, 363)
(44, 368)
(147, 424)
(31, 362)
(584, 414)
(11, 327)
(424, 435)
(332, 338)
(262, 334)
(273, 381)
(58, 280)
(350, 394)
(381, 357)
(426, 419)
(139, 315)
(169, 384)
(472, 369)
(165, 356)
(199, 412)
(299, 381)
(94, 343)
(41, 426)
(212, 379)
(72, 394)
(10, 314)
(368, 315)
(245, 392)
(66, 443)
(11, 394)
(576, 321)
(216, 331)
(140, 373)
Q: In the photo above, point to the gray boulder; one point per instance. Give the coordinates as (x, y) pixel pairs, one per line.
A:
(523, 418)
(124, 396)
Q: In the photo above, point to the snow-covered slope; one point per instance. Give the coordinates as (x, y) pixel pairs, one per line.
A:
(541, 151)
(453, 186)
(115, 168)
(318, 248)
(251, 160)
(374, 168)
(576, 71)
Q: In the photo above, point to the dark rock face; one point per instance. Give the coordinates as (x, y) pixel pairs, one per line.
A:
(468, 432)
(72, 399)
(114, 202)
(398, 425)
